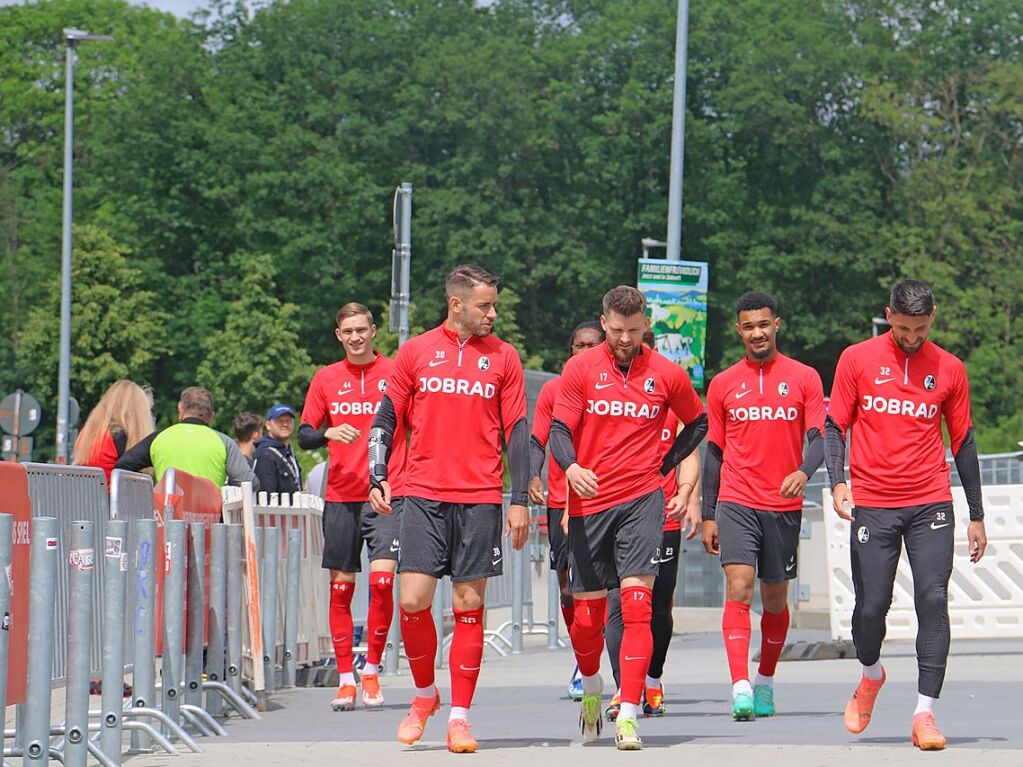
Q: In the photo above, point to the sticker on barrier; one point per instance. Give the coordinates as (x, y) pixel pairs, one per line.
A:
(985, 600)
(14, 491)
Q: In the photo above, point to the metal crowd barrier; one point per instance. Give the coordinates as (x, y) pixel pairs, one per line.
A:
(70, 493)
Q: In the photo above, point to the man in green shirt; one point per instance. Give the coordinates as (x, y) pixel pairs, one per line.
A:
(191, 445)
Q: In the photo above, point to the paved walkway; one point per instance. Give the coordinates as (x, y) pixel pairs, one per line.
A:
(522, 716)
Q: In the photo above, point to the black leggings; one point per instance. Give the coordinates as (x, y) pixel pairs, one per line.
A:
(661, 623)
(876, 540)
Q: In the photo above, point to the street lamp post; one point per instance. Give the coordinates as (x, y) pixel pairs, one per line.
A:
(678, 134)
(71, 37)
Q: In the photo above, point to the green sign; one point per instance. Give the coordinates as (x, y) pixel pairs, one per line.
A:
(676, 302)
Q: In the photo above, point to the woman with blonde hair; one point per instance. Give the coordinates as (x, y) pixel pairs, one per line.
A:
(122, 418)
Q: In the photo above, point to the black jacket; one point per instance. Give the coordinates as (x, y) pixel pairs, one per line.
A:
(276, 467)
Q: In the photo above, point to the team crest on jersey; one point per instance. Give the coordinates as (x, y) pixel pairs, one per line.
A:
(648, 386)
(484, 363)
(382, 386)
(863, 534)
(929, 383)
(783, 389)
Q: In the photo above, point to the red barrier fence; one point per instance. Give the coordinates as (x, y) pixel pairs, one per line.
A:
(15, 501)
(193, 500)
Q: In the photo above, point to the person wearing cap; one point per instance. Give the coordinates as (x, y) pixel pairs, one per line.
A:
(275, 464)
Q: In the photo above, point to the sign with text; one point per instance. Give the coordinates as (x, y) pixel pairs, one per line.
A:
(676, 296)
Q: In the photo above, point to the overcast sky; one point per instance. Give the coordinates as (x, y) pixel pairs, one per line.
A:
(177, 7)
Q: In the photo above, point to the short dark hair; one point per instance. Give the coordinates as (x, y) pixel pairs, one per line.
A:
(587, 325)
(246, 426)
(756, 299)
(624, 300)
(197, 402)
(912, 297)
(462, 279)
(352, 309)
(649, 339)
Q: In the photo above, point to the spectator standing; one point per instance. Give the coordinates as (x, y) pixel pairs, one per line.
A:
(274, 462)
(191, 445)
(121, 418)
(248, 430)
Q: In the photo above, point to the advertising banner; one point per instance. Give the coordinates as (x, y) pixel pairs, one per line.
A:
(676, 295)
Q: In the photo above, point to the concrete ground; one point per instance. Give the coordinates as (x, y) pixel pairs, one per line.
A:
(522, 715)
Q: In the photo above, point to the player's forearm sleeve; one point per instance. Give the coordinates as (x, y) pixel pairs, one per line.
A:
(814, 455)
(310, 438)
(834, 451)
(562, 449)
(711, 480)
(381, 433)
(685, 442)
(968, 466)
(138, 457)
(537, 457)
(518, 460)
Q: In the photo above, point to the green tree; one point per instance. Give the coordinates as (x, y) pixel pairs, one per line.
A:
(255, 360)
(118, 328)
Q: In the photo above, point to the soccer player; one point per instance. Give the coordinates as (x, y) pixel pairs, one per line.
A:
(338, 411)
(762, 411)
(893, 391)
(677, 491)
(606, 435)
(461, 391)
(585, 336)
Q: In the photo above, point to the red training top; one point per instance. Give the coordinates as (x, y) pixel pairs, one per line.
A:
(349, 393)
(669, 483)
(104, 454)
(617, 418)
(458, 398)
(759, 415)
(542, 414)
(894, 403)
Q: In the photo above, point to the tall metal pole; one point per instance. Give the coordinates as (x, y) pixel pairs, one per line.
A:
(64, 370)
(678, 134)
(404, 260)
(81, 572)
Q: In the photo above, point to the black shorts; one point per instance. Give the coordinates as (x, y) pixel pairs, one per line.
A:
(766, 540)
(558, 540)
(462, 540)
(615, 543)
(347, 525)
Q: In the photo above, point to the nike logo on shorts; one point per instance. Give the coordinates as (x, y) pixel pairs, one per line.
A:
(473, 668)
(661, 561)
(790, 567)
(938, 527)
(495, 562)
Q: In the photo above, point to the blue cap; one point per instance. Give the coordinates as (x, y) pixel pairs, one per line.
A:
(278, 410)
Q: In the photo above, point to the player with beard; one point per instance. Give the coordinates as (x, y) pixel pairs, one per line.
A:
(679, 485)
(585, 336)
(893, 391)
(461, 391)
(762, 410)
(606, 434)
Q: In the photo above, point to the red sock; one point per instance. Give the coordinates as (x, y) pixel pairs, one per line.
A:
(466, 656)
(773, 629)
(567, 610)
(381, 608)
(340, 621)
(637, 641)
(736, 630)
(420, 638)
(587, 633)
